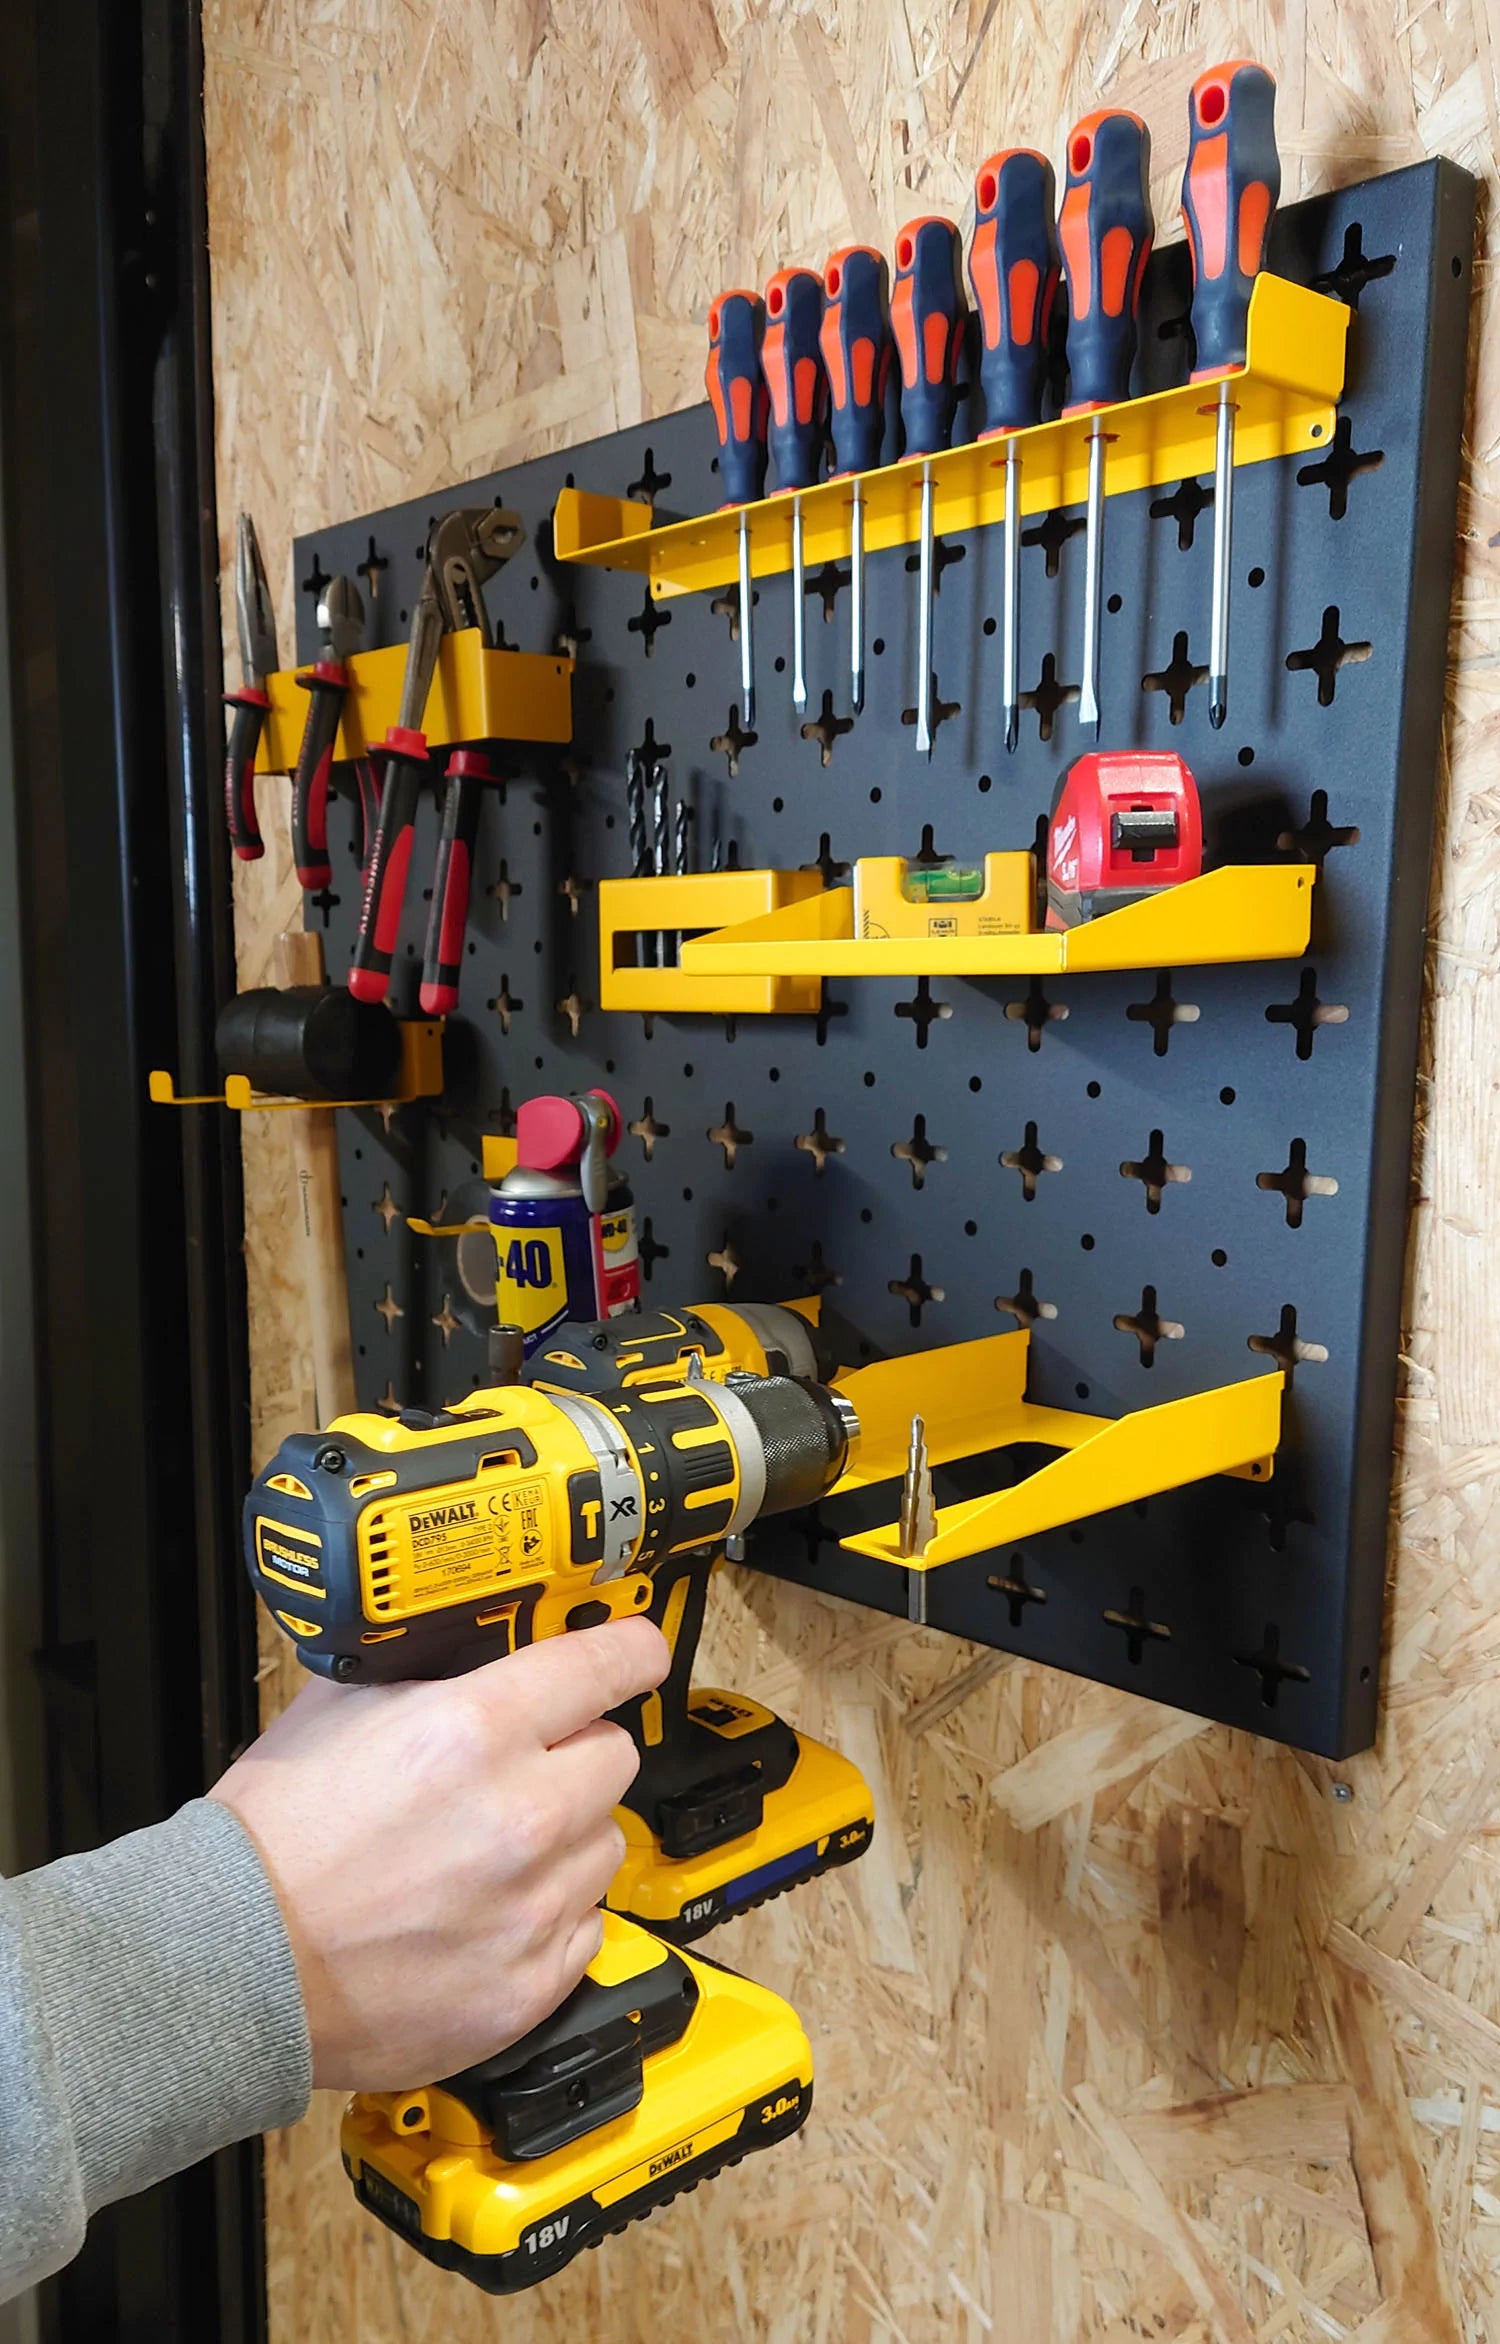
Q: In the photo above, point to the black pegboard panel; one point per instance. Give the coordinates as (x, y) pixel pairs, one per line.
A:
(1259, 1606)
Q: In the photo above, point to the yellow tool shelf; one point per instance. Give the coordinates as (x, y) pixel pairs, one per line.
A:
(477, 695)
(630, 908)
(972, 1399)
(1285, 397)
(1247, 911)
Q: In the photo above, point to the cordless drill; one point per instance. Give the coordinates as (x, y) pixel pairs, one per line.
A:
(424, 1544)
(730, 1806)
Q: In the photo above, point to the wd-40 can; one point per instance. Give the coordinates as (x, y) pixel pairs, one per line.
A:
(563, 1222)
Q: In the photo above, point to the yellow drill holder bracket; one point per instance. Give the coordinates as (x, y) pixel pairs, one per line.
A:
(477, 695)
(1285, 396)
(775, 958)
(635, 913)
(972, 1400)
(420, 1077)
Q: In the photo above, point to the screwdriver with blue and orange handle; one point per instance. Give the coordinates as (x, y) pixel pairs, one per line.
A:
(791, 360)
(1229, 192)
(856, 344)
(1013, 273)
(928, 312)
(1105, 229)
(737, 395)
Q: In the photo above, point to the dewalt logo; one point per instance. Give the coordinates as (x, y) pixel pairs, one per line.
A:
(673, 2157)
(445, 1517)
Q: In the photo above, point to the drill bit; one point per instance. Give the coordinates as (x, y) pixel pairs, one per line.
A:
(660, 853)
(640, 850)
(918, 1518)
(682, 823)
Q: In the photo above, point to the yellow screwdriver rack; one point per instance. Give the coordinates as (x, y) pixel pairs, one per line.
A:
(1285, 398)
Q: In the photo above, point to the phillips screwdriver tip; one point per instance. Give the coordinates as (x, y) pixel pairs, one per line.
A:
(857, 695)
(1218, 709)
(1012, 730)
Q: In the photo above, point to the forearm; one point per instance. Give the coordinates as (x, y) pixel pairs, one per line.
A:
(150, 2012)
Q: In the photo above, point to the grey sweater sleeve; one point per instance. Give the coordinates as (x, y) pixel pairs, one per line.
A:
(150, 2012)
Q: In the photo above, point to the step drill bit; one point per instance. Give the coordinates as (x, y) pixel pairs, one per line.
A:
(1229, 191)
(1013, 274)
(1105, 231)
(918, 1525)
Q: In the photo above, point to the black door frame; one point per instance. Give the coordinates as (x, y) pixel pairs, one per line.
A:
(137, 1366)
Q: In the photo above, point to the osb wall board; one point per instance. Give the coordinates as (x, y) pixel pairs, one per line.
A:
(1128, 2027)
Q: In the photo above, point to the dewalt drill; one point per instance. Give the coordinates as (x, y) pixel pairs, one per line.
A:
(428, 1543)
(730, 1806)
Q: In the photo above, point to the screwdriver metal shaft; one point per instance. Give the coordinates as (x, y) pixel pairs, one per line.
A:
(747, 627)
(1013, 274)
(1229, 192)
(927, 322)
(1105, 232)
(855, 337)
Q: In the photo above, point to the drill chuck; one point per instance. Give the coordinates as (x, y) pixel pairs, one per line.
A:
(806, 1434)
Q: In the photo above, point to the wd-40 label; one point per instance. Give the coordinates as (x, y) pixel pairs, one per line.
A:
(531, 1284)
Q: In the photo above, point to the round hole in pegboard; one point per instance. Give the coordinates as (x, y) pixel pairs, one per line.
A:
(781, 664)
(359, 1253)
(1218, 1257)
(869, 1080)
(866, 1215)
(985, 785)
(1226, 1096)
(537, 947)
(773, 1074)
(535, 583)
(878, 646)
(472, 947)
(1257, 577)
(536, 830)
(874, 797)
(1080, 1391)
(1364, 1674)
(690, 680)
(1247, 755)
(609, 821)
(971, 1228)
(688, 1070)
(1094, 1089)
(1115, 605)
(687, 1196)
(1457, 267)
(777, 805)
(989, 626)
(609, 1066)
(359, 1157)
(538, 1063)
(975, 1083)
(1086, 1242)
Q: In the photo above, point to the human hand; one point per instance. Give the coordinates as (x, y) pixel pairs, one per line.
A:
(439, 1849)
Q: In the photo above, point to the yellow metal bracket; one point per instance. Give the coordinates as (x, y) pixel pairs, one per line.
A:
(636, 912)
(972, 1399)
(737, 960)
(477, 695)
(1285, 398)
(420, 1077)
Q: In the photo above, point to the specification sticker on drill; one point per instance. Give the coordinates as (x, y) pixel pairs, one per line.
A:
(461, 1542)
